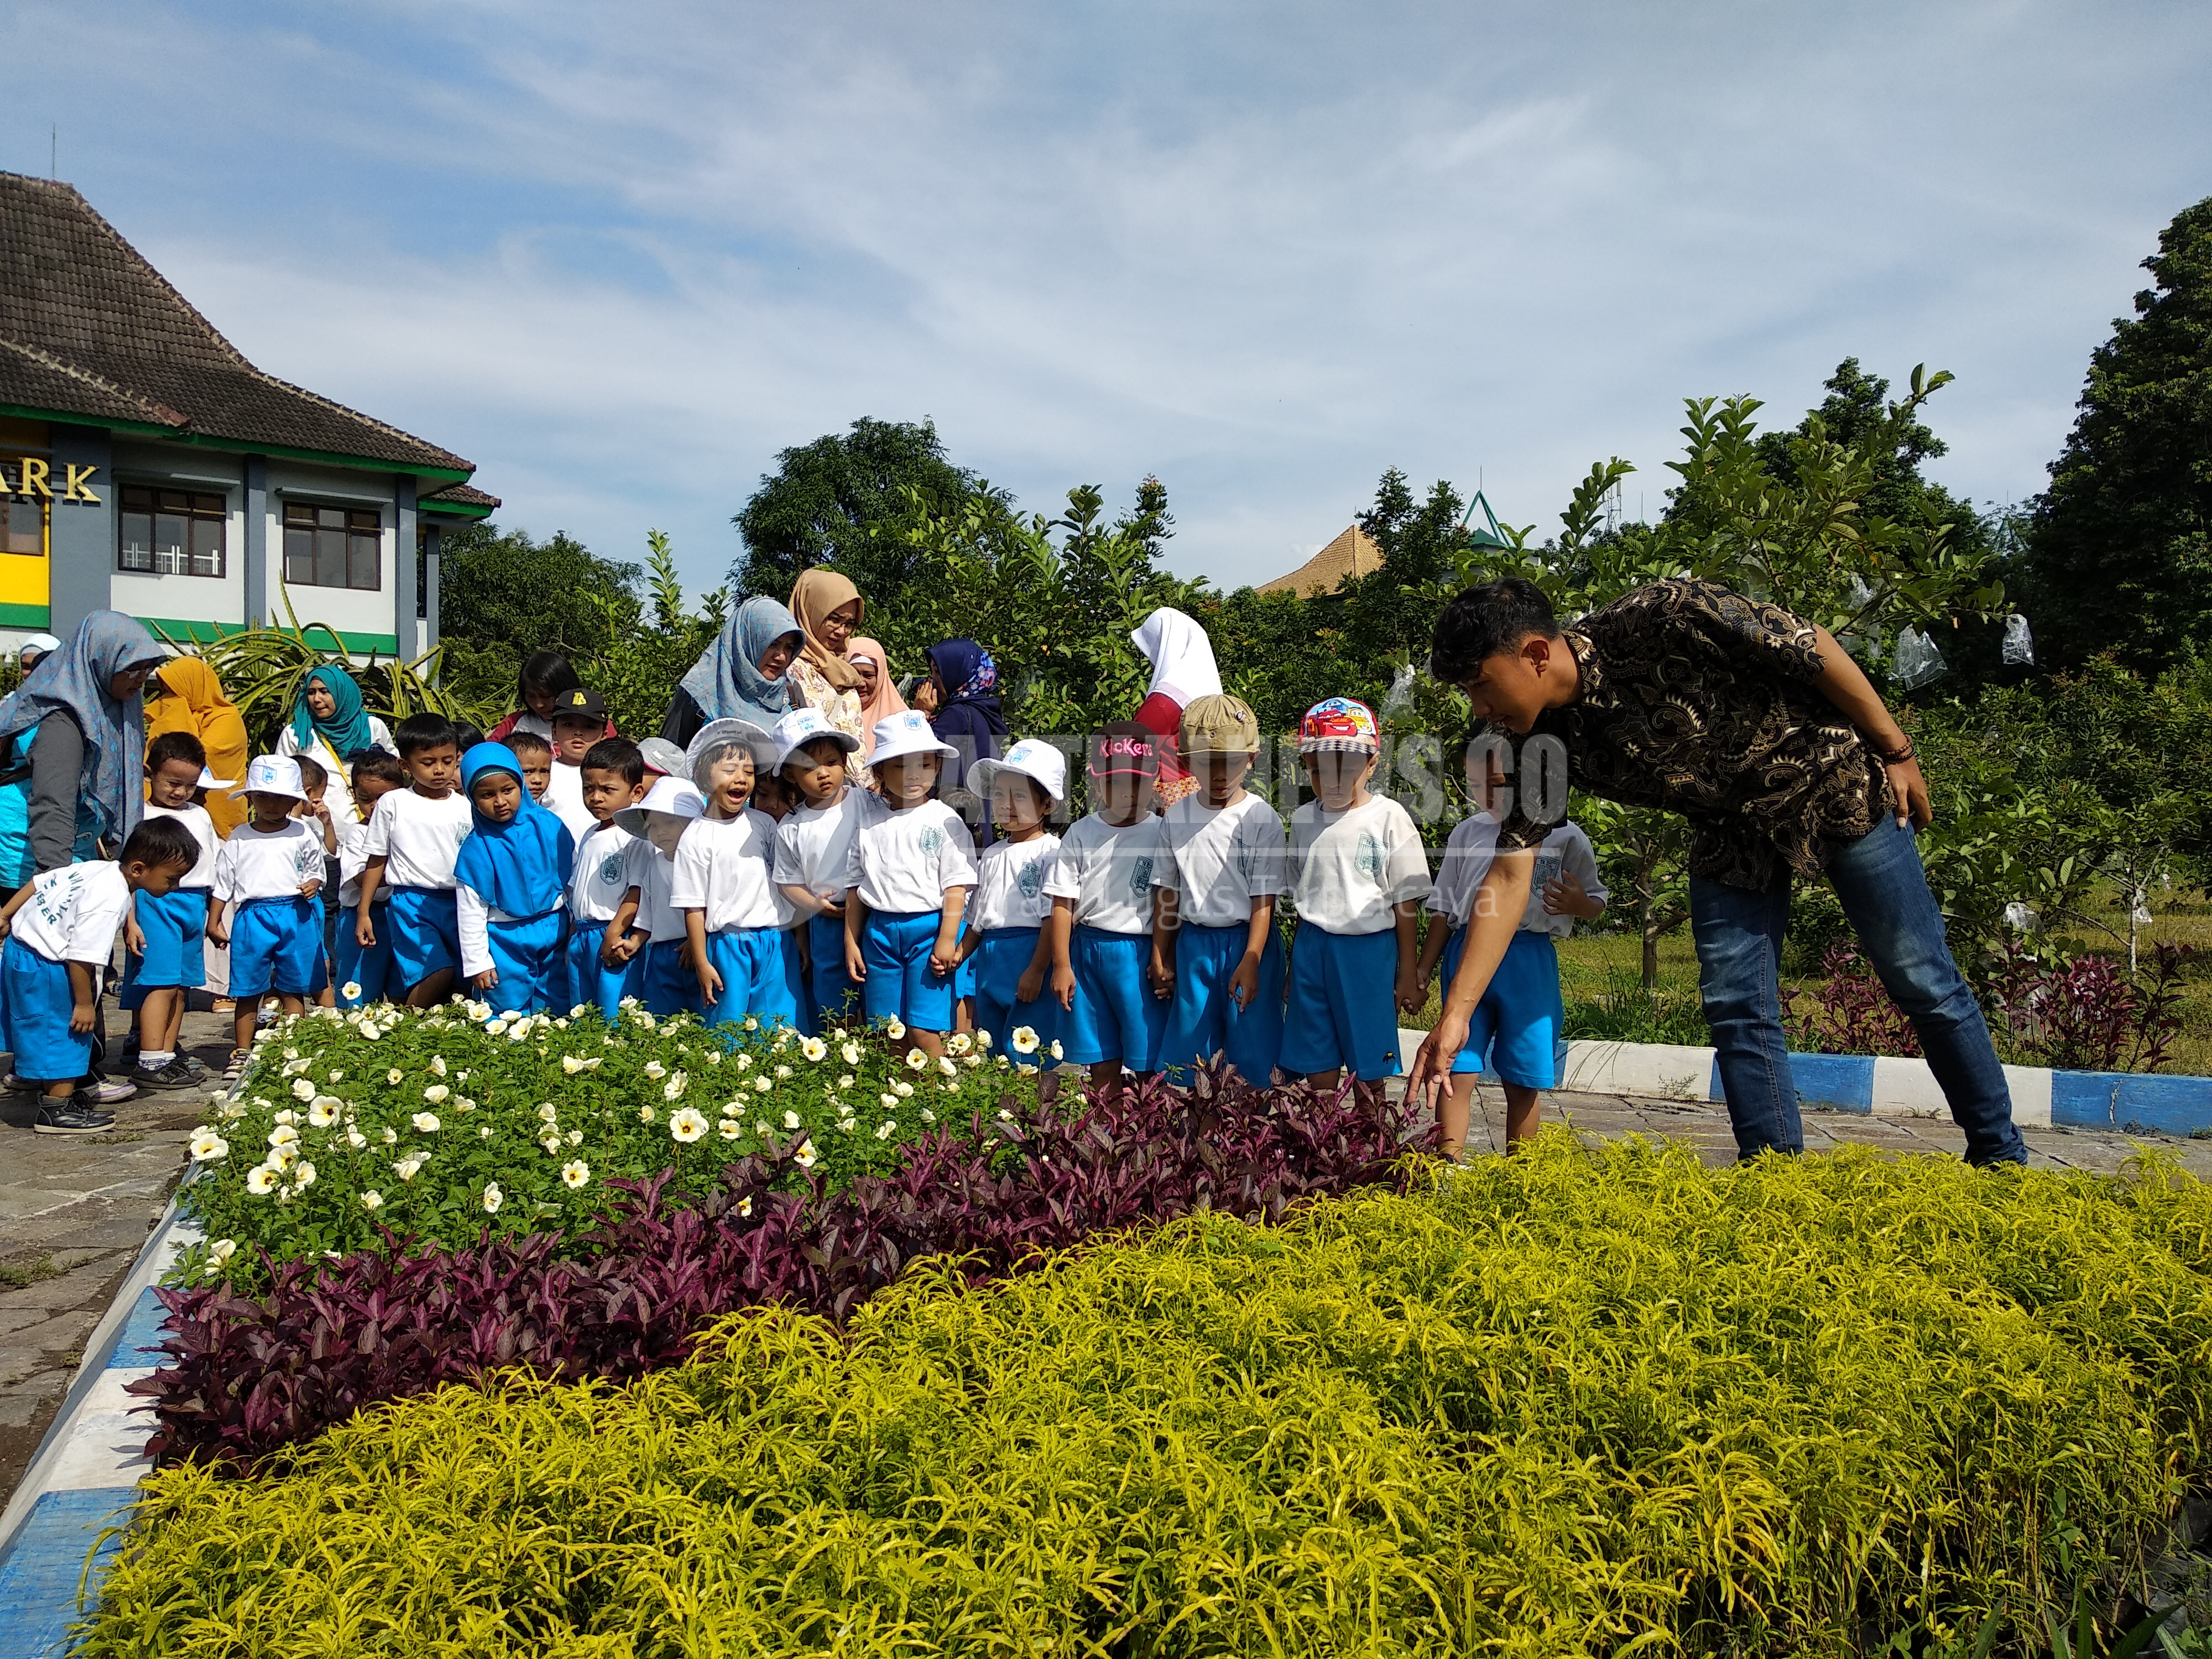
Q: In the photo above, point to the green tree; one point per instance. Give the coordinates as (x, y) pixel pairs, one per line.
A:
(2119, 548)
(825, 501)
(503, 594)
(638, 668)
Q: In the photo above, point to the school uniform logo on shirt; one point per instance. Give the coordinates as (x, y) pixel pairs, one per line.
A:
(1367, 857)
(1141, 877)
(1031, 878)
(932, 839)
(611, 869)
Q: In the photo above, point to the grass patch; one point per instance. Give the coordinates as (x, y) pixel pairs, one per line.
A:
(15, 1275)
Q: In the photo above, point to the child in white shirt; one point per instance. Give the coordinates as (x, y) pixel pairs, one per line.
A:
(814, 854)
(364, 973)
(1358, 873)
(271, 868)
(734, 919)
(414, 836)
(1007, 932)
(167, 958)
(647, 928)
(578, 721)
(1517, 1025)
(1214, 943)
(601, 974)
(1101, 885)
(61, 929)
(906, 887)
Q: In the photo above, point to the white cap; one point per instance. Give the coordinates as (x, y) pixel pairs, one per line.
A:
(208, 781)
(802, 727)
(671, 796)
(907, 733)
(270, 774)
(662, 757)
(717, 735)
(1032, 757)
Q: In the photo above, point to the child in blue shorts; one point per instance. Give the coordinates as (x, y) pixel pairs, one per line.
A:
(1518, 1024)
(603, 971)
(734, 919)
(510, 885)
(167, 959)
(648, 928)
(271, 868)
(1357, 873)
(814, 852)
(1008, 939)
(414, 836)
(908, 883)
(61, 928)
(363, 974)
(1214, 944)
(1101, 892)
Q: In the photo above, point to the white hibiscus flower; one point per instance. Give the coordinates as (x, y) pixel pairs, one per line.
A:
(261, 1181)
(674, 1088)
(916, 1060)
(302, 1089)
(688, 1124)
(814, 1049)
(791, 1120)
(492, 1198)
(371, 1200)
(436, 1093)
(323, 1110)
(851, 1051)
(221, 1251)
(426, 1121)
(208, 1146)
(438, 1064)
(729, 1128)
(655, 1070)
(575, 1174)
(1026, 1041)
(350, 990)
(896, 1029)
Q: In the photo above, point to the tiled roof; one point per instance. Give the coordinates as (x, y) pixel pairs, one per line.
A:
(1352, 553)
(462, 496)
(88, 329)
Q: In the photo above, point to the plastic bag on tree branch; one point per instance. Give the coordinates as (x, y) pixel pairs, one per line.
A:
(1918, 660)
(1400, 696)
(2019, 648)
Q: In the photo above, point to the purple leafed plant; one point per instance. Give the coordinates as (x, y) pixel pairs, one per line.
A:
(2087, 1013)
(1851, 1013)
(246, 1375)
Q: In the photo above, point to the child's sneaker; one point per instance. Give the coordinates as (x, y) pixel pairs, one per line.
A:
(100, 1091)
(196, 1066)
(73, 1117)
(236, 1069)
(175, 1075)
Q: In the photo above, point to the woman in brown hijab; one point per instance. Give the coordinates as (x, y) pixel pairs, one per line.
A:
(829, 608)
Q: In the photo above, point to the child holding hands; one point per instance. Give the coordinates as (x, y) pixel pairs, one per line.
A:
(1007, 935)
(814, 851)
(414, 836)
(613, 780)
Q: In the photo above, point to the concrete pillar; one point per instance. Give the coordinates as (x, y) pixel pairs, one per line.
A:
(82, 535)
(430, 575)
(255, 553)
(403, 606)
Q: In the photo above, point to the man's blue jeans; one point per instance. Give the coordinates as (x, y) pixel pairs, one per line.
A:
(1885, 894)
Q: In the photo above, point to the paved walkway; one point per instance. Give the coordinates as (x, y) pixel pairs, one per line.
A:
(74, 1212)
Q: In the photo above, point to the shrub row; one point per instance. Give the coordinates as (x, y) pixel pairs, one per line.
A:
(247, 1373)
(1559, 1404)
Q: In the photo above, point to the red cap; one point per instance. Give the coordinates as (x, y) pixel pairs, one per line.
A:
(1123, 748)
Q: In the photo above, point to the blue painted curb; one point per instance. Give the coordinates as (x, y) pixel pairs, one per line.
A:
(42, 1569)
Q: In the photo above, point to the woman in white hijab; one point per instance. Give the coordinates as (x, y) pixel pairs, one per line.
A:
(1182, 671)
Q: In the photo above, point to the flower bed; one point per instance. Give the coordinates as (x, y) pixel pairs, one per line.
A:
(248, 1374)
(428, 1129)
(1560, 1404)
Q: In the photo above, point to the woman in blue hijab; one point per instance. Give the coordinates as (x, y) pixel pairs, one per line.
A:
(330, 724)
(741, 676)
(511, 884)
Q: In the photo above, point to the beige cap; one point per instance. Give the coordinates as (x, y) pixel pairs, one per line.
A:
(1222, 724)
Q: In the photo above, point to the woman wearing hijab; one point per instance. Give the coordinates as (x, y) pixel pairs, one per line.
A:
(741, 676)
(510, 885)
(829, 608)
(330, 724)
(964, 712)
(879, 692)
(185, 695)
(1182, 672)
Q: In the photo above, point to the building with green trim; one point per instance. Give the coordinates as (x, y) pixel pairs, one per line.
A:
(146, 466)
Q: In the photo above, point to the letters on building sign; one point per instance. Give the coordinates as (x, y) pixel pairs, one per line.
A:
(32, 476)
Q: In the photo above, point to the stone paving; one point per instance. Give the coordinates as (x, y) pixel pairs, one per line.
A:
(77, 1210)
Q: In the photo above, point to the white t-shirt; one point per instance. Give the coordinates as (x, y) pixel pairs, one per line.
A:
(1468, 858)
(353, 858)
(1349, 868)
(338, 796)
(644, 869)
(722, 868)
(196, 819)
(564, 799)
(74, 912)
(418, 838)
(814, 845)
(906, 861)
(1219, 859)
(602, 873)
(1010, 890)
(1108, 872)
(256, 864)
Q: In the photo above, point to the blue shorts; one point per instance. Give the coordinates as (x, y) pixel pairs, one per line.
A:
(36, 1004)
(371, 969)
(1116, 1016)
(591, 980)
(1000, 961)
(964, 973)
(760, 976)
(894, 947)
(523, 955)
(277, 944)
(175, 926)
(426, 932)
(835, 995)
(1516, 1026)
(665, 985)
(1204, 1020)
(1343, 1011)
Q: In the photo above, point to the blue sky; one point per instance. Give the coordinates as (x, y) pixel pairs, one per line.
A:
(620, 256)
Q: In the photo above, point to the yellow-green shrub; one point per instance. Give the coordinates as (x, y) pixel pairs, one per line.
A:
(1567, 1403)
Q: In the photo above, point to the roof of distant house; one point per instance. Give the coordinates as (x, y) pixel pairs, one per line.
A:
(1353, 554)
(89, 332)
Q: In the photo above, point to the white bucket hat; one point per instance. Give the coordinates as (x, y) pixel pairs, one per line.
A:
(802, 727)
(208, 781)
(717, 735)
(671, 796)
(1032, 758)
(907, 733)
(662, 757)
(270, 774)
